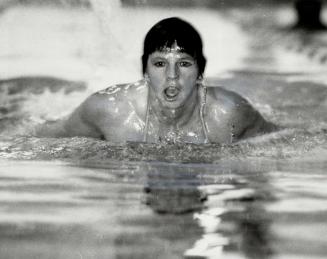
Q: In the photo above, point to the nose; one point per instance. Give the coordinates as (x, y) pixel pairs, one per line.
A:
(172, 71)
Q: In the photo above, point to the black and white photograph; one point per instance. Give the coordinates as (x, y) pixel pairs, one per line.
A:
(163, 129)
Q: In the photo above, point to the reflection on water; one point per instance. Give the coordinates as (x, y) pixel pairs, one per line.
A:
(174, 189)
(233, 209)
(75, 209)
(229, 209)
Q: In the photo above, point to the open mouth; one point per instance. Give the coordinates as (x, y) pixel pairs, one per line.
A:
(171, 93)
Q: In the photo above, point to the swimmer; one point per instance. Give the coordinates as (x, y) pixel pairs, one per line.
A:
(170, 104)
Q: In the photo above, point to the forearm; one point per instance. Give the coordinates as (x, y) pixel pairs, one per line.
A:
(53, 129)
(67, 127)
(258, 126)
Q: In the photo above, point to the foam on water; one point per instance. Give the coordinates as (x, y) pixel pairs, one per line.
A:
(47, 41)
(85, 37)
(230, 39)
(92, 47)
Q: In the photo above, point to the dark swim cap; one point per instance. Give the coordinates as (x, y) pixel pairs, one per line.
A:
(166, 33)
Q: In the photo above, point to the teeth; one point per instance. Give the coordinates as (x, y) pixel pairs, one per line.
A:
(171, 91)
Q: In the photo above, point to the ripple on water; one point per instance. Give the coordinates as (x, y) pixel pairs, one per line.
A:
(288, 143)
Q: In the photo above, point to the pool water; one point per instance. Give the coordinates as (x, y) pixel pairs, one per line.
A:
(84, 198)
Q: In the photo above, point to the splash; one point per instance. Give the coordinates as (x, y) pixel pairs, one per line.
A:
(285, 144)
(108, 51)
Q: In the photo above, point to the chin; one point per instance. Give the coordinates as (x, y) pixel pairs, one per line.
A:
(172, 105)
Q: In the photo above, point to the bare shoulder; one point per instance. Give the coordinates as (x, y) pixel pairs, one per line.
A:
(100, 113)
(103, 110)
(236, 113)
(221, 95)
(108, 101)
(228, 102)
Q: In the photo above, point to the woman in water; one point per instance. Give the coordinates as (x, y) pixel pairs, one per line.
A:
(170, 103)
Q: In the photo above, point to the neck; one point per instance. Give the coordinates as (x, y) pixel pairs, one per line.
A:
(174, 117)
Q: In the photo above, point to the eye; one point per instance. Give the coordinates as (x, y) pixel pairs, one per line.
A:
(159, 64)
(185, 64)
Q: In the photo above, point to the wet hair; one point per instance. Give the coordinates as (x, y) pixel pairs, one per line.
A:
(166, 33)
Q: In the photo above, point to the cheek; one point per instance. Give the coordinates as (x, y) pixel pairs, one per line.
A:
(156, 78)
(189, 81)
(190, 78)
(156, 81)
(190, 74)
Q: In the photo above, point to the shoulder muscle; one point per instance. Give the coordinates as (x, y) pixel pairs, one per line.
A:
(239, 117)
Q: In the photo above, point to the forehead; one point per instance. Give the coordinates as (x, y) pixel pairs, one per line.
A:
(173, 48)
(174, 51)
(169, 53)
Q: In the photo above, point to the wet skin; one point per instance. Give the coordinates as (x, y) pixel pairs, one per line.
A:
(164, 107)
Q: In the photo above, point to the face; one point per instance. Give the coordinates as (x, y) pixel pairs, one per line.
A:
(172, 76)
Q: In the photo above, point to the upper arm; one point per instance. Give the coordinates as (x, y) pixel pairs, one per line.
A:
(247, 121)
(83, 121)
(231, 117)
